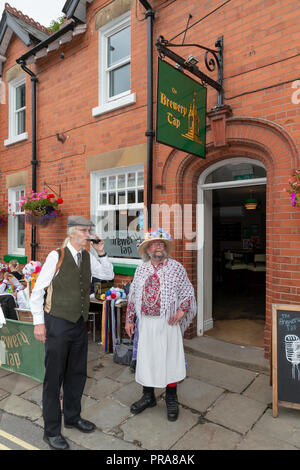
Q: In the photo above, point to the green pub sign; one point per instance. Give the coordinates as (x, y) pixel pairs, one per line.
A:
(181, 110)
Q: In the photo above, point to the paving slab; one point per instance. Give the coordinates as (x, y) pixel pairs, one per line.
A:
(221, 375)
(97, 440)
(234, 354)
(20, 407)
(3, 394)
(286, 427)
(255, 440)
(34, 395)
(152, 429)
(208, 436)
(197, 395)
(131, 392)
(17, 383)
(236, 412)
(106, 414)
(4, 372)
(260, 389)
(101, 388)
(103, 367)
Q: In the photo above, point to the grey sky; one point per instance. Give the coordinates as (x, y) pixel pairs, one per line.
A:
(42, 11)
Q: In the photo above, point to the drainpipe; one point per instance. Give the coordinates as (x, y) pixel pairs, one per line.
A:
(34, 162)
(150, 132)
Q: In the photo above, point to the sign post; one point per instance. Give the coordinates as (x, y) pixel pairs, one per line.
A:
(181, 110)
(285, 356)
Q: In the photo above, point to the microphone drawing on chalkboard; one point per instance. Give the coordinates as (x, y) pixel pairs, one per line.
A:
(292, 352)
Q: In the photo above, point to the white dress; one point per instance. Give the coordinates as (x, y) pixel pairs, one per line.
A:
(166, 363)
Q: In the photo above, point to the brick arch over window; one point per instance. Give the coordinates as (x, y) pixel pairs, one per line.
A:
(270, 144)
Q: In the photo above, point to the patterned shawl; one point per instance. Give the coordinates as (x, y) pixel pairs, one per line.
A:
(175, 288)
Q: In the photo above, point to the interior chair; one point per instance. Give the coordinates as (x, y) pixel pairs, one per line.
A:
(234, 262)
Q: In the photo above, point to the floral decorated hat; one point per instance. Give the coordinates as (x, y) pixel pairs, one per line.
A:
(153, 235)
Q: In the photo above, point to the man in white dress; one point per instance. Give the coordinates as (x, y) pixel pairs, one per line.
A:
(162, 298)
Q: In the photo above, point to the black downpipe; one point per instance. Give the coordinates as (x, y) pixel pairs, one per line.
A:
(34, 161)
(150, 132)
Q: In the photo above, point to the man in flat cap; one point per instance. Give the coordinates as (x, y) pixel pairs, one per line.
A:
(61, 325)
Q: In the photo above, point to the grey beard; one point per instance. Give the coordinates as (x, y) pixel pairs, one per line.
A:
(159, 257)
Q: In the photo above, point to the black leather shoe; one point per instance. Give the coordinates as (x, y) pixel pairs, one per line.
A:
(56, 442)
(83, 425)
(172, 406)
(148, 400)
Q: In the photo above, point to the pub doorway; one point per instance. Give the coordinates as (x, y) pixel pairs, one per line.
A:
(234, 251)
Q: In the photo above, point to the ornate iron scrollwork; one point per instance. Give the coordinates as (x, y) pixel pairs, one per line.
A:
(213, 59)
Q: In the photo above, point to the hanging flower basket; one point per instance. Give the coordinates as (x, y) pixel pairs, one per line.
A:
(40, 209)
(294, 190)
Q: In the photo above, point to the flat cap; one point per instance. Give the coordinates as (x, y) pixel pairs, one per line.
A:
(74, 220)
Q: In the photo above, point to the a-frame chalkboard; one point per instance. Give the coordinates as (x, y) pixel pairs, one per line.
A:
(285, 356)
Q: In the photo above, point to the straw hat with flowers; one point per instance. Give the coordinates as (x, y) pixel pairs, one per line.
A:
(159, 235)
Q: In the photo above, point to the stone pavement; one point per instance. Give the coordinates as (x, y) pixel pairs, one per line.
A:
(225, 403)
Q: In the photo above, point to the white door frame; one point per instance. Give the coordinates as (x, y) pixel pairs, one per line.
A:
(204, 236)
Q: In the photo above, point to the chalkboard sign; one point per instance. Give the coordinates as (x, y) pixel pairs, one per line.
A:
(286, 357)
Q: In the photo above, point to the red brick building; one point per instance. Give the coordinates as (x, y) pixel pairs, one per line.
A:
(91, 148)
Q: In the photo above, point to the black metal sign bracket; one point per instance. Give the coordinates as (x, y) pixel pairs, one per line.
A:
(213, 58)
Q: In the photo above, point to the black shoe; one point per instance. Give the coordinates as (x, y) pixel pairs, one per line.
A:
(172, 405)
(83, 425)
(56, 442)
(148, 400)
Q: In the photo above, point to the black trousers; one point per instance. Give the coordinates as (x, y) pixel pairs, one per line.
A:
(66, 365)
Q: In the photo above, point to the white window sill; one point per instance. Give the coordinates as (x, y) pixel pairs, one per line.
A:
(15, 139)
(112, 105)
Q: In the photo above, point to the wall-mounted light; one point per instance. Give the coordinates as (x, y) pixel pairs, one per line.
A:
(191, 60)
(61, 137)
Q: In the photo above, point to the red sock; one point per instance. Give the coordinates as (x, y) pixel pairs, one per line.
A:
(172, 385)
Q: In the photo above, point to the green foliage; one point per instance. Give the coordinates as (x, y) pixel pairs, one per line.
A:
(55, 24)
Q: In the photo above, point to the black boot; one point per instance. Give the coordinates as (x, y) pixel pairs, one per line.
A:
(172, 403)
(147, 401)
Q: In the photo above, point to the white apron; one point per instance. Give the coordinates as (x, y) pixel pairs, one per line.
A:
(160, 354)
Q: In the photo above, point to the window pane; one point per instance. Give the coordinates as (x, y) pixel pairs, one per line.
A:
(103, 198)
(131, 180)
(233, 172)
(112, 182)
(118, 46)
(121, 181)
(20, 97)
(131, 197)
(140, 181)
(140, 195)
(119, 80)
(21, 231)
(21, 122)
(102, 184)
(112, 198)
(121, 198)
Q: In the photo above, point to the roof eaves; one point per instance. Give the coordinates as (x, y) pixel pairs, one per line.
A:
(46, 42)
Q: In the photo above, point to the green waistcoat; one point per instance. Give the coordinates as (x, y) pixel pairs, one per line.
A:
(70, 297)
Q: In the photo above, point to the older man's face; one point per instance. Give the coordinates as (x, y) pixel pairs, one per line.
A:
(157, 250)
(81, 235)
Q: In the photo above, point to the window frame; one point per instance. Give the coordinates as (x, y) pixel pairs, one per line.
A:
(13, 137)
(96, 207)
(107, 103)
(12, 222)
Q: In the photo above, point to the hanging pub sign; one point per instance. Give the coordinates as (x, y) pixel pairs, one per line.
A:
(181, 110)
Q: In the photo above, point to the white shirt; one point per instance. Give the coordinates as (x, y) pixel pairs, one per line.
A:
(101, 268)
